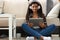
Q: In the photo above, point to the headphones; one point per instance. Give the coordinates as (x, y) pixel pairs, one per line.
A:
(31, 7)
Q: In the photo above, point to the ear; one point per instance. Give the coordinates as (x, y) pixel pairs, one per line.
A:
(30, 7)
(38, 7)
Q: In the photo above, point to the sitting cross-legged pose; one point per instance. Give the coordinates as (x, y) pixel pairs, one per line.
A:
(35, 11)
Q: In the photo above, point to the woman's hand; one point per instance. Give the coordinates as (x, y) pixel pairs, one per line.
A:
(30, 24)
(42, 25)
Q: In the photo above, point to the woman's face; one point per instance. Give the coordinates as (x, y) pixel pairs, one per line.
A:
(34, 7)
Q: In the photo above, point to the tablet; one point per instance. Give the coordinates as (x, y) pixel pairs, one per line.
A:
(35, 21)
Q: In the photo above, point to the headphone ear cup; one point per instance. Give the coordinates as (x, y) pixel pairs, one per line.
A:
(30, 7)
(38, 7)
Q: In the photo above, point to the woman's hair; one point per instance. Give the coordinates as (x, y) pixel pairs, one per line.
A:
(29, 11)
(59, 14)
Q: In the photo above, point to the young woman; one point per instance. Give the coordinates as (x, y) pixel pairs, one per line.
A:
(35, 11)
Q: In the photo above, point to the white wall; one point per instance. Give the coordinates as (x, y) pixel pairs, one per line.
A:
(55, 2)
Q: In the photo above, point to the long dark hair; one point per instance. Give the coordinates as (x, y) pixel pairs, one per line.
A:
(29, 11)
(59, 14)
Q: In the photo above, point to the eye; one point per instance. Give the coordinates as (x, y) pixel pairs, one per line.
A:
(35, 6)
(32, 6)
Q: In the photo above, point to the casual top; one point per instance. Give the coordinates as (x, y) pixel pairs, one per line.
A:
(31, 15)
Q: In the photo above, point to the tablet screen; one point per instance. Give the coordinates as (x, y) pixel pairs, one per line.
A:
(35, 21)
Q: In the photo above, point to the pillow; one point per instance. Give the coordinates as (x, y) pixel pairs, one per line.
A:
(54, 12)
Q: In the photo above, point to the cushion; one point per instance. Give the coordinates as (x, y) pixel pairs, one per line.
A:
(54, 11)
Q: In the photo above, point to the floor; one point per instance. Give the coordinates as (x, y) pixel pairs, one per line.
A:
(54, 37)
(25, 38)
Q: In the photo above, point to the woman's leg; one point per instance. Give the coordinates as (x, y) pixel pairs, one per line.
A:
(30, 31)
(48, 30)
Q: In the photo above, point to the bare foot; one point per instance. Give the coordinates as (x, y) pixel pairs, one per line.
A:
(41, 38)
(34, 38)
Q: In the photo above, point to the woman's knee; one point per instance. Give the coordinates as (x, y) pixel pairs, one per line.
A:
(53, 26)
(24, 24)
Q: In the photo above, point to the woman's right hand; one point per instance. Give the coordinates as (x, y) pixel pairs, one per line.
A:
(42, 25)
(30, 24)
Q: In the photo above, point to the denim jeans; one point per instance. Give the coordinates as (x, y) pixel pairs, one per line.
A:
(39, 32)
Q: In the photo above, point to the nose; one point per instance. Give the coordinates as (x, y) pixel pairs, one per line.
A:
(34, 8)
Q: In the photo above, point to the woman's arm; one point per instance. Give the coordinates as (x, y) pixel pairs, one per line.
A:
(43, 24)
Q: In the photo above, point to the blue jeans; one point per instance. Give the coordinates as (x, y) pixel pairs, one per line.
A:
(38, 32)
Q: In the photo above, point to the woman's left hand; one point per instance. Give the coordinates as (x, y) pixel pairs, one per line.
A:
(42, 25)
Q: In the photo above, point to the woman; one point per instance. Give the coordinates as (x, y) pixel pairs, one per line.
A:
(35, 11)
